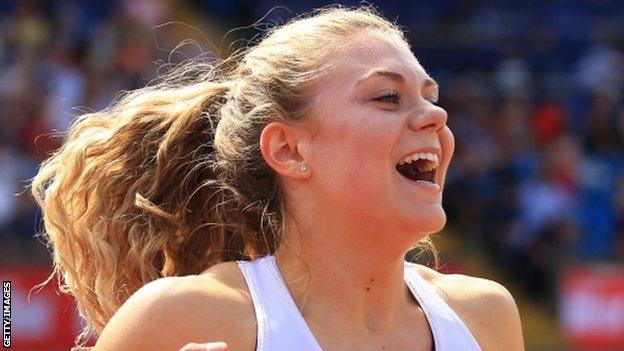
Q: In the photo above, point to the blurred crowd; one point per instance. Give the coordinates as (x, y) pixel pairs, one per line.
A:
(533, 90)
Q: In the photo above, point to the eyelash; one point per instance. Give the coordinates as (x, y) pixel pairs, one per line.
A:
(393, 95)
(396, 97)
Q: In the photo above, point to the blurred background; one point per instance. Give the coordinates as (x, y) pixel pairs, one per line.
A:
(533, 88)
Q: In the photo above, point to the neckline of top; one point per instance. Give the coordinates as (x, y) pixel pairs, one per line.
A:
(411, 277)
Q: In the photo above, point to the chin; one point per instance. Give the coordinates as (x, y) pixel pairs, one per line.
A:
(429, 221)
(438, 224)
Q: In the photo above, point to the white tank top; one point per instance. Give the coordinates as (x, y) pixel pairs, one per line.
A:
(281, 326)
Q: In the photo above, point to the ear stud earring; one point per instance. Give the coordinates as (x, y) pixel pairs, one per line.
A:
(303, 168)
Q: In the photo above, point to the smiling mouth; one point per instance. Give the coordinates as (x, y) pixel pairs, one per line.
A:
(419, 167)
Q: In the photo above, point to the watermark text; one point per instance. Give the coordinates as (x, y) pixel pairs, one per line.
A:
(6, 314)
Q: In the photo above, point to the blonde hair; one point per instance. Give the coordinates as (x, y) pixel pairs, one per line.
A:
(169, 180)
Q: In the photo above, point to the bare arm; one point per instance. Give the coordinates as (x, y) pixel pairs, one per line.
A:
(170, 313)
(489, 311)
(501, 320)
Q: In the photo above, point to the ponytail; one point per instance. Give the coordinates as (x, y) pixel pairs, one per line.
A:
(127, 198)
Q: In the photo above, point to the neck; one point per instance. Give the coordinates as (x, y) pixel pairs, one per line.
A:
(349, 274)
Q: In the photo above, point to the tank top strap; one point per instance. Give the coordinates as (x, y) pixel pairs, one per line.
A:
(449, 331)
(281, 326)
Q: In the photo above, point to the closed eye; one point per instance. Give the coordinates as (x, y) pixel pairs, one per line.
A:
(393, 98)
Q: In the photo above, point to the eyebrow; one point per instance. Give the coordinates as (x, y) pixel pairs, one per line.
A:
(397, 77)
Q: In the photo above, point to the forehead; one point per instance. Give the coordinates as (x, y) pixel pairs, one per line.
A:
(372, 50)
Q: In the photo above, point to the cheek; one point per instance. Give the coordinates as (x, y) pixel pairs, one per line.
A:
(355, 154)
(362, 145)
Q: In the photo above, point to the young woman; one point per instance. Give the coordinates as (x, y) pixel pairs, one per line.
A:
(268, 203)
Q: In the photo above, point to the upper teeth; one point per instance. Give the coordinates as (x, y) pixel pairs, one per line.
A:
(422, 156)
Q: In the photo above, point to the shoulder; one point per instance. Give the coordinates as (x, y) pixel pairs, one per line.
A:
(486, 307)
(171, 312)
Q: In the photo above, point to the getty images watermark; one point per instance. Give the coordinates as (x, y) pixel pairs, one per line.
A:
(6, 314)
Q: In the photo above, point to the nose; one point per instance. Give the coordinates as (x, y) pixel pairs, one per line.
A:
(429, 117)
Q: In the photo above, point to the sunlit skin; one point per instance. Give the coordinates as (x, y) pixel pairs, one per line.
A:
(353, 144)
(356, 215)
(351, 218)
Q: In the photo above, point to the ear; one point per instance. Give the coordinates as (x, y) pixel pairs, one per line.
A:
(280, 146)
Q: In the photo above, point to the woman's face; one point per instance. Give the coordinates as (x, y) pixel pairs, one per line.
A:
(375, 109)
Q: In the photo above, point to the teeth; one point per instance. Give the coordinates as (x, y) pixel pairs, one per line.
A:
(428, 166)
